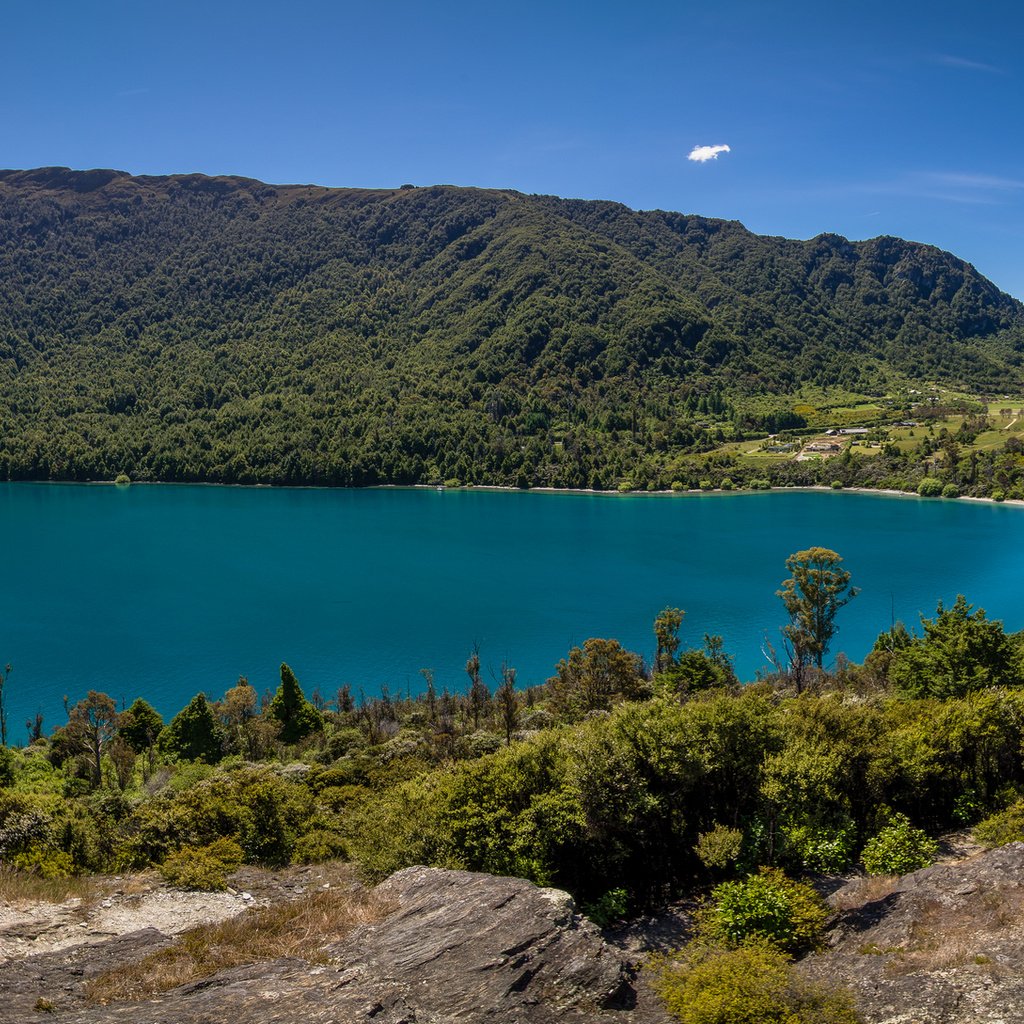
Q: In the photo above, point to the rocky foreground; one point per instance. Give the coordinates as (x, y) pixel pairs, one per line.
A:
(941, 946)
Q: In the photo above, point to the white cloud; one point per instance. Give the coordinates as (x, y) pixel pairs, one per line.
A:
(952, 61)
(702, 154)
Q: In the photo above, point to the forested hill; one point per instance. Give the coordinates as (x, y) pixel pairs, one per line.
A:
(197, 328)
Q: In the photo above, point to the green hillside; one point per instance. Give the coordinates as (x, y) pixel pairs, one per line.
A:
(195, 328)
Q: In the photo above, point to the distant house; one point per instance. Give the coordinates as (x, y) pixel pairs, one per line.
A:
(855, 430)
(823, 447)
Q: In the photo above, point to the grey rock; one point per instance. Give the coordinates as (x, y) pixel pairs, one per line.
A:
(60, 977)
(454, 947)
(945, 945)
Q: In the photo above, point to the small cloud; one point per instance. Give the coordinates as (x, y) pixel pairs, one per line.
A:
(951, 61)
(702, 154)
(974, 181)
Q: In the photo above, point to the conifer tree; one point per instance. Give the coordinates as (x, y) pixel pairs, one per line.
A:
(194, 733)
(297, 716)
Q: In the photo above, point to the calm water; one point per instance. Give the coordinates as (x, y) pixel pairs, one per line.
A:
(165, 591)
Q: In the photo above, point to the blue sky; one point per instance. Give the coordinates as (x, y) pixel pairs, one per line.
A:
(862, 118)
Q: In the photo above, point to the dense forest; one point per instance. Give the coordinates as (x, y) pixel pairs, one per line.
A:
(221, 329)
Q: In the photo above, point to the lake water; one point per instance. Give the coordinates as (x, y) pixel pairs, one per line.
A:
(163, 591)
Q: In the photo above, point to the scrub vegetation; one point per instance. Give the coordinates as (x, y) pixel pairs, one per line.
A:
(624, 783)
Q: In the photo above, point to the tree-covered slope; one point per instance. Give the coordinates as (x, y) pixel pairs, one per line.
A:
(190, 327)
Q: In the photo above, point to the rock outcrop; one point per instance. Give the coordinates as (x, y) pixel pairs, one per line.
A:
(944, 945)
(454, 946)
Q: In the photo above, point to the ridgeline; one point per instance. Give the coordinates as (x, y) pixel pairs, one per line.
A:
(221, 329)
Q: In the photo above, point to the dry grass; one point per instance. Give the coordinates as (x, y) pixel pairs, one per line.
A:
(868, 889)
(18, 888)
(297, 928)
(945, 938)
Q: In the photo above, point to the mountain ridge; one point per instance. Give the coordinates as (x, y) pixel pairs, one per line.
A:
(407, 334)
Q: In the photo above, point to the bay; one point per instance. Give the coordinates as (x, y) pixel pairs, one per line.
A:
(162, 591)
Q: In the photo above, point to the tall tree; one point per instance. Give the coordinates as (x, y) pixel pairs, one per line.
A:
(93, 724)
(4, 676)
(297, 716)
(666, 632)
(479, 695)
(816, 589)
(140, 726)
(508, 702)
(194, 733)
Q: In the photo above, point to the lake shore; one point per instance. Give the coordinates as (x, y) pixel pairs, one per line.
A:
(501, 488)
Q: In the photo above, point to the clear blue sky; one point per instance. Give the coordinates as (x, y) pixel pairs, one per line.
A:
(863, 118)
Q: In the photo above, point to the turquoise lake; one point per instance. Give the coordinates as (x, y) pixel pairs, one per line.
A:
(163, 591)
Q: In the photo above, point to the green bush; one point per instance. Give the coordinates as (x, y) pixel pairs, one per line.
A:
(766, 906)
(706, 485)
(752, 984)
(951, 491)
(898, 849)
(998, 495)
(609, 908)
(319, 845)
(719, 848)
(1002, 828)
(929, 487)
(677, 485)
(825, 850)
(727, 484)
(837, 485)
(202, 867)
(761, 485)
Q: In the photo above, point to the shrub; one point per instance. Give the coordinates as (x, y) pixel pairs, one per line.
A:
(837, 485)
(754, 984)
(951, 491)
(898, 849)
(719, 848)
(319, 845)
(998, 495)
(202, 867)
(608, 909)
(929, 487)
(7, 762)
(760, 485)
(825, 850)
(122, 480)
(706, 485)
(766, 906)
(1002, 828)
(677, 485)
(727, 484)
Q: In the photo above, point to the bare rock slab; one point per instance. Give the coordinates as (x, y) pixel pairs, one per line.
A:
(944, 945)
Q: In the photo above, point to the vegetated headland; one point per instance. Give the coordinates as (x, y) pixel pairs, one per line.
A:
(628, 785)
(223, 330)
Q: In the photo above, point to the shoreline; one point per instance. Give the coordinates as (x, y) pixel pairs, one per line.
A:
(508, 489)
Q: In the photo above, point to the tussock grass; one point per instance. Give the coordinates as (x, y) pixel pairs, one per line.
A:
(18, 888)
(869, 889)
(943, 938)
(298, 928)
